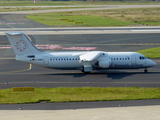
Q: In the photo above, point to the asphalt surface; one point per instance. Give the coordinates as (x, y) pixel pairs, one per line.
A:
(18, 74)
(18, 21)
(102, 42)
(74, 78)
(79, 105)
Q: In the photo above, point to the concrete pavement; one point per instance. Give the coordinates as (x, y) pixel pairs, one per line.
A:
(114, 113)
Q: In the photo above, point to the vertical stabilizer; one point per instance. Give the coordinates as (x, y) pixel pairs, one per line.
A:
(21, 44)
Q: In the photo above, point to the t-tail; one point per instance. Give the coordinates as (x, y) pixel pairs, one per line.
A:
(21, 44)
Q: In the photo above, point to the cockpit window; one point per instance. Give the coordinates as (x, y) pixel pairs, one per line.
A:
(142, 57)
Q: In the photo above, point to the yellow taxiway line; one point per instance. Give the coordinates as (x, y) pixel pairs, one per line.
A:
(30, 67)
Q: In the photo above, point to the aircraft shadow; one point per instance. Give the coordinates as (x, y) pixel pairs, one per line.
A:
(112, 75)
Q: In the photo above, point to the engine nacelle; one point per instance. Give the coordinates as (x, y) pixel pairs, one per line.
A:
(103, 64)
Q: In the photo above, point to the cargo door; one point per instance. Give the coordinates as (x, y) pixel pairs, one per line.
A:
(45, 60)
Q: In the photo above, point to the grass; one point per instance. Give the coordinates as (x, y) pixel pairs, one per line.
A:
(151, 53)
(141, 16)
(77, 94)
(119, 17)
(48, 3)
(54, 19)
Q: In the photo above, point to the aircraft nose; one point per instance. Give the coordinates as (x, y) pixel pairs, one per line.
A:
(150, 63)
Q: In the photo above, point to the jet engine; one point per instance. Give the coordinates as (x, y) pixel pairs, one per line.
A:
(103, 64)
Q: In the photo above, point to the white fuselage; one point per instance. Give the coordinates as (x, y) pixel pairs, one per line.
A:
(71, 60)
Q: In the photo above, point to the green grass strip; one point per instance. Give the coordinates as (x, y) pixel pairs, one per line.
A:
(55, 19)
(49, 3)
(101, 18)
(151, 53)
(78, 94)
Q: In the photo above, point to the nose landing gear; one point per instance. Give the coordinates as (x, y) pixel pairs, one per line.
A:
(145, 70)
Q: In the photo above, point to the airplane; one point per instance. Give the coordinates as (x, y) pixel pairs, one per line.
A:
(86, 61)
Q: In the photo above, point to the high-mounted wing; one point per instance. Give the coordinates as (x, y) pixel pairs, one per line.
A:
(90, 56)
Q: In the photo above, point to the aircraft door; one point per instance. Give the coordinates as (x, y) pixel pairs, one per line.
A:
(45, 60)
(133, 61)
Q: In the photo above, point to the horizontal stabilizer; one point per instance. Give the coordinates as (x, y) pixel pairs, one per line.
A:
(14, 33)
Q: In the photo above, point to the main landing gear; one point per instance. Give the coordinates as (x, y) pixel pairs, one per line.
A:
(85, 72)
(145, 70)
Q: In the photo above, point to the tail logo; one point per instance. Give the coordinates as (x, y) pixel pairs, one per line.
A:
(21, 45)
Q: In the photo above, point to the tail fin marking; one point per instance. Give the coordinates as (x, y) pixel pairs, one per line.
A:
(21, 44)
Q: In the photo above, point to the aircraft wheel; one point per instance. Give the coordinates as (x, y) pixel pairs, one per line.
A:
(146, 71)
(85, 72)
